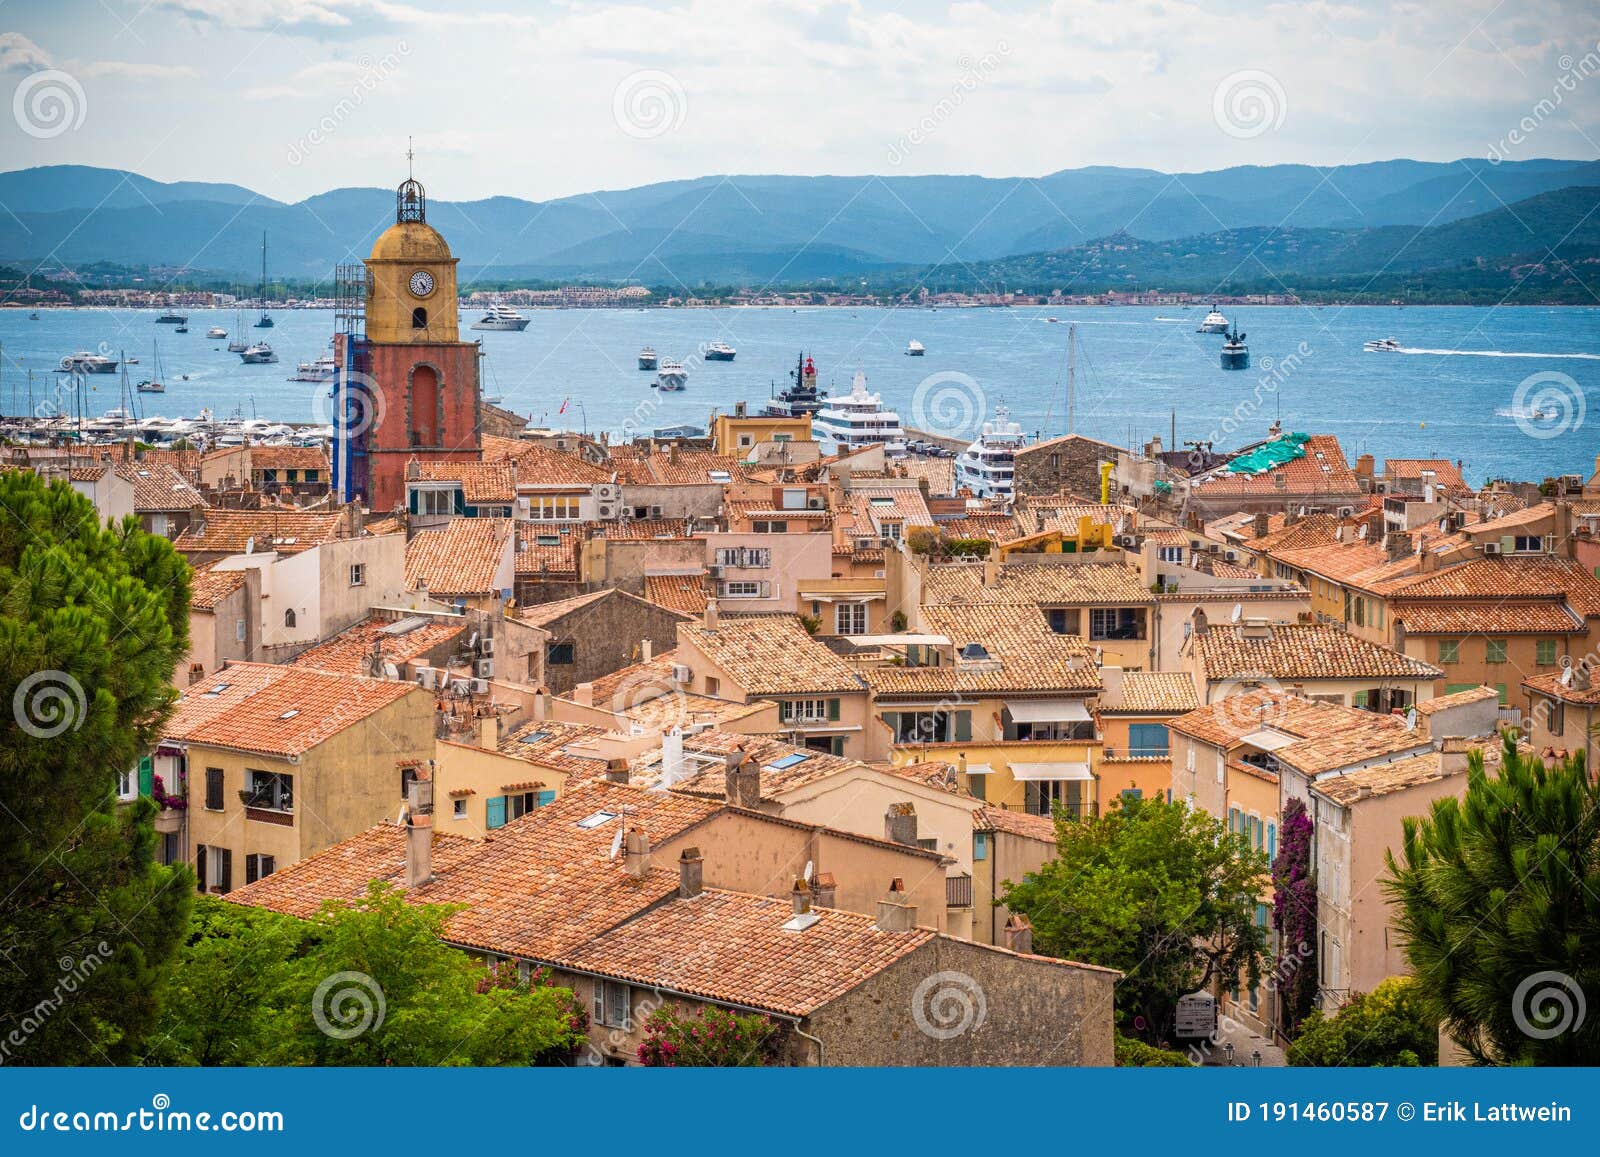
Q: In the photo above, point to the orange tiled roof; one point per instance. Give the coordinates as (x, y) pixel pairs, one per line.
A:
(1499, 617)
(684, 593)
(1325, 736)
(1550, 684)
(209, 586)
(1084, 584)
(1321, 472)
(280, 529)
(462, 557)
(1302, 651)
(1153, 692)
(1506, 577)
(995, 819)
(550, 558)
(482, 483)
(541, 466)
(769, 655)
(1026, 656)
(1456, 699)
(1446, 473)
(289, 458)
(158, 487)
(349, 652)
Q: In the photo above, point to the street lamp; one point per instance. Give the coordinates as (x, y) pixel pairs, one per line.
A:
(1227, 1051)
(1255, 1059)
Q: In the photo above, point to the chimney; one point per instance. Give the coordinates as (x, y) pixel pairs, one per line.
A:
(419, 829)
(583, 694)
(541, 704)
(894, 914)
(730, 786)
(1365, 467)
(691, 874)
(616, 771)
(823, 890)
(672, 768)
(1019, 933)
(646, 650)
(1397, 544)
(800, 897)
(749, 783)
(710, 619)
(1263, 522)
(636, 856)
(489, 732)
(900, 824)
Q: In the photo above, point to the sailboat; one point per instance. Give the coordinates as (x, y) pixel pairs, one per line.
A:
(238, 345)
(266, 318)
(154, 385)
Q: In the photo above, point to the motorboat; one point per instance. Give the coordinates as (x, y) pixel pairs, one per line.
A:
(914, 349)
(856, 420)
(802, 397)
(216, 333)
(260, 354)
(1385, 345)
(720, 351)
(672, 375)
(501, 317)
(84, 362)
(1235, 354)
(986, 466)
(171, 319)
(647, 358)
(321, 370)
(1214, 323)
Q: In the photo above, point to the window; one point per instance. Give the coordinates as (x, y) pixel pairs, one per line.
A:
(214, 789)
(127, 785)
(744, 557)
(419, 318)
(1062, 621)
(458, 809)
(553, 507)
(1544, 652)
(850, 618)
(1146, 739)
(808, 710)
(1115, 623)
(1170, 553)
(919, 726)
(613, 1004)
(765, 527)
(288, 618)
(213, 869)
(713, 685)
(746, 441)
(358, 574)
(271, 790)
(1449, 650)
(1272, 841)
(1528, 544)
(258, 867)
(312, 475)
(1494, 651)
(741, 589)
(559, 654)
(434, 501)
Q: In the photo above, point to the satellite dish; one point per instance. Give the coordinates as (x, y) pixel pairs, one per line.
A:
(1566, 676)
(809, 866)
(1411, 719)
(616, 842)
(390, 671)
(1238, 612)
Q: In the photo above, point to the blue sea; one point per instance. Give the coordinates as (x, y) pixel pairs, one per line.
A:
(1508, 391)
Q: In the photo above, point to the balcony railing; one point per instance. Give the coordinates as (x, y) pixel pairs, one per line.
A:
(958, 891)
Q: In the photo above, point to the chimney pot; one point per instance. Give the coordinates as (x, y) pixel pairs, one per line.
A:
(616, 771)
(800, 897)
(646, 650)
(691, 874)
(1019, 933)
(636, 857)
(823, 890)
(710, 619)
(894, 914)
(900, 824)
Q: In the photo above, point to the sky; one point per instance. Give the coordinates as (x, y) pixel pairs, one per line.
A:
(545, 99)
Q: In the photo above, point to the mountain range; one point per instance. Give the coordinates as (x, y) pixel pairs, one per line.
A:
(1134, 226)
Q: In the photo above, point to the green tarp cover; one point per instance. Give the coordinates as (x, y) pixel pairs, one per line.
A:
(1274, 453)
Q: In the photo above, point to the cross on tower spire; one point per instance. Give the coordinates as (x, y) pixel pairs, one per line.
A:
(410, 154)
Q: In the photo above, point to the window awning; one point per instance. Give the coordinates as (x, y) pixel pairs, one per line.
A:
(979, 769)
(1030, 772)
(1269, 740)
(1048, 711)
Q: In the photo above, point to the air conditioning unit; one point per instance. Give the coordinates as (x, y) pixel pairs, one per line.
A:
(1346, 511)
(607, 511)
(487, 648)
(815, 502)
(607, 492)
(714, 571)
(1127, 540)
(1491, 548)
(480, 686)
(681, 673)
(427, 678)
(484, 668)
(458, 687)
(655, 512)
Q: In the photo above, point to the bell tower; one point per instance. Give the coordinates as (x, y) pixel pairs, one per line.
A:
(420, 378)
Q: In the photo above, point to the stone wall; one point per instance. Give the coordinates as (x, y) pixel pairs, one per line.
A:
(1071, 464)
(605, 637)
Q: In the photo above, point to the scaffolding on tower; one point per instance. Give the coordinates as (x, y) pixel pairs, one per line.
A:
(354, 402)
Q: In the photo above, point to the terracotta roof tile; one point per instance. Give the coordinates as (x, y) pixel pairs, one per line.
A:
(769, 655)
(1321, 472)
(158, 487)
(1550, 684)
(1152, 692)
(349, 652)
(994, 819)
(209, 586)
(685, 593)
(462, 557)
(482, 483)
(284, 530)
(1301, 651)
(1025, 655)
(1072, 584)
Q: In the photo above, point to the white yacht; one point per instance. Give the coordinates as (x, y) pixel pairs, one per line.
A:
(321, 370)
(857, 420)
(501, 317)
(1214, 323)
(84, 362)
(720, 351)
(914, 349)
(986, 466)
(216, 333)
(672, 375)
(260, 354)
(1385, 345)
(647, 358)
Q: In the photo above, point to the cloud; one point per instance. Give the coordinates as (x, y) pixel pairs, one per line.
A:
(137, 70)
(18, 52)
(368, 15)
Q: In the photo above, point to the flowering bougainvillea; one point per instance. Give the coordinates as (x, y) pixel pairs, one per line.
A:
(1294, 917)
(158, 792)
(707, 1037)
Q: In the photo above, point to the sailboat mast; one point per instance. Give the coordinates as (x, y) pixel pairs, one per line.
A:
(1072, 377)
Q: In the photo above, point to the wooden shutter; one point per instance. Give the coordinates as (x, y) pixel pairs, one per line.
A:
(833, 710)
(226, 883)
(546, 797)
(250, 869)
(147, 776)
(963, 726)
(200, 866)
(214, 788)
(495, 812)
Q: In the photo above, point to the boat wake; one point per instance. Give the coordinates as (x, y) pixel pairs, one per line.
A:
(1492, 354)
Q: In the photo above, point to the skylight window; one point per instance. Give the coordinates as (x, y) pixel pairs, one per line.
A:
(801, 922)
(720, 476)
(596, 819)
(788, 761)
(217, 690)
(534, 737)
(290, 714)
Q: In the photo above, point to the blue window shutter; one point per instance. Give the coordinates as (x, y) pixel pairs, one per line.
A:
(147, 776)
(495, 810)
(1272, 841)
(412, 502)
(546, 797)
(980, 845)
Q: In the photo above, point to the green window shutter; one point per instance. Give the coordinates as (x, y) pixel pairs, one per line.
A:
(838, 745)
(833, 710)
(963, 726)
(147, 776)
(495, 811)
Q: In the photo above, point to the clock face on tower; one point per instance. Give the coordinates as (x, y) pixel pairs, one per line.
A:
(421, 283)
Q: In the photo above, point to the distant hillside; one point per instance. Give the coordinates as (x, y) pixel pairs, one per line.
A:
(733, 229)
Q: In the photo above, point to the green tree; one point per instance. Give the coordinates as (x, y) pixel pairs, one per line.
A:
(1497, 898)
(1135, 1054)
(93, 620)
(1159, 890)
(1387, 1027)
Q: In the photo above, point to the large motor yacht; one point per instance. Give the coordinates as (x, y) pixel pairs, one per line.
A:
(856, 420)
(502, 317)
(802, 397)
(986, 466)
(1214, 323)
